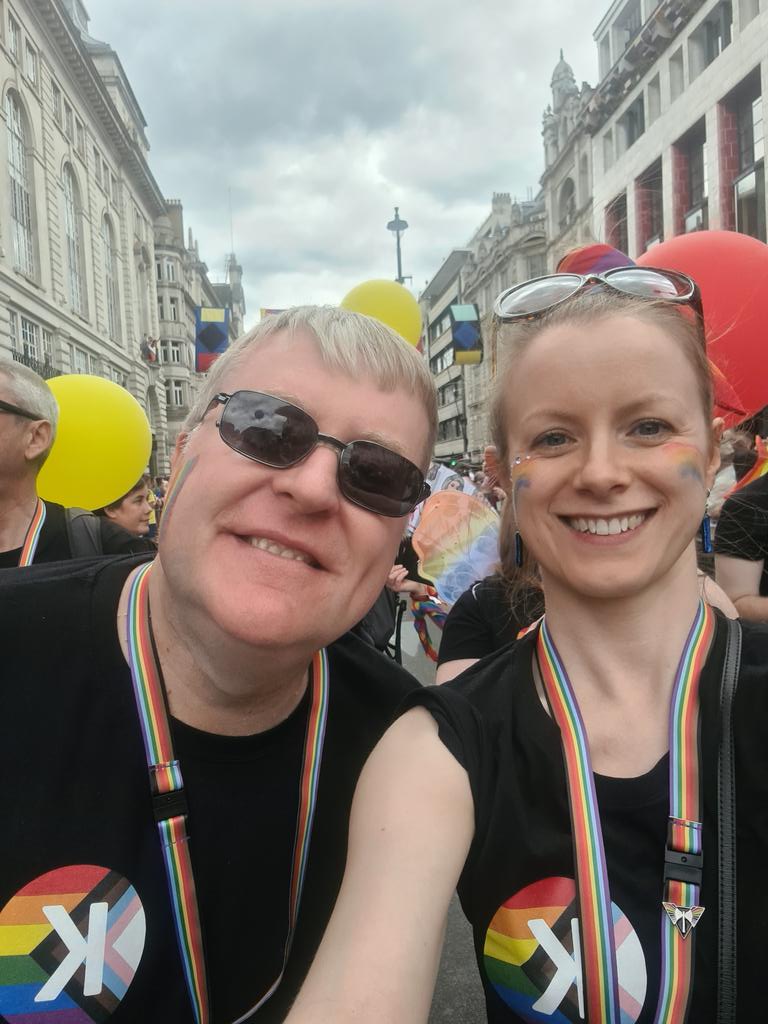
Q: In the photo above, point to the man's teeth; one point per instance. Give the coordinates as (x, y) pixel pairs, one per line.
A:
(277, 549)
(604, 527)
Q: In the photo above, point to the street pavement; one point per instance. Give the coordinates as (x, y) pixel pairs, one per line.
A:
(458, 994)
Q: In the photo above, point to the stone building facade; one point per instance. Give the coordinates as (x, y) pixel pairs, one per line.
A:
(78, 205)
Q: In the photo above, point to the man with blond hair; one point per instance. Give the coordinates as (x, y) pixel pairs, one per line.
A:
(185, 735)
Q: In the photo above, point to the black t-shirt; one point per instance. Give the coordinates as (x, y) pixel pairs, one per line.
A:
(517, 888)
(742, 529)
(54, 546)
(483, 620)
(75, 802)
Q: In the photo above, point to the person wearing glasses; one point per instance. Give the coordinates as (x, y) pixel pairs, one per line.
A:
(181, 738)
(33, 530)
(596, 789)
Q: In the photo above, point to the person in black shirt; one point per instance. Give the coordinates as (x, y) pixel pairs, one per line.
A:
(741, 549)
(569, 783)
(181, 738)
(33, 530)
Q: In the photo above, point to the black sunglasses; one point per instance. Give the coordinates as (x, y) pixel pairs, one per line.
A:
(275, 433)
(534, 298)
(7, 407)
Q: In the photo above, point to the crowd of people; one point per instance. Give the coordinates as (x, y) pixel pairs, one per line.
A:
(222, 805)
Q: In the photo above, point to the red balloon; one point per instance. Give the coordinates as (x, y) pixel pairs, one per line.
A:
(732, 271)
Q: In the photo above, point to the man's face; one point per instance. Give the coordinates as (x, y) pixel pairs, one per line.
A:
(21, 439)
(232, 527)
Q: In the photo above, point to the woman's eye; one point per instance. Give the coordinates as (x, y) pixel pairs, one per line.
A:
(651, 428)
(552, 439)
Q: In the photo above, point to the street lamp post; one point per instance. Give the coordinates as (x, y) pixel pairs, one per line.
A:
(398, 226)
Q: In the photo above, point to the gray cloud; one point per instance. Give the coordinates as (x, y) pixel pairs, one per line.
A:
(321, 115)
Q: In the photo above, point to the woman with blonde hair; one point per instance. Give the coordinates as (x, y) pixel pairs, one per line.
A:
(590, 788)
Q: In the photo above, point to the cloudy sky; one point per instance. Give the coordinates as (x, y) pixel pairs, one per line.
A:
(322, 115)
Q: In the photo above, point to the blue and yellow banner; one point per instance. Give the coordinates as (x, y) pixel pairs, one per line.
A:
(466, 335)
(211, 335)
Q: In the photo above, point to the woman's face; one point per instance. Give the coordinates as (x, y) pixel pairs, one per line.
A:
(616, 456)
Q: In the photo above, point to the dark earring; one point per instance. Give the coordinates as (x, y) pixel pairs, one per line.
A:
(518, 550)
(706, 535)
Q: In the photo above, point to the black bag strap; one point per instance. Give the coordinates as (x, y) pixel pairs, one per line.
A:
(83, 533)
(726, 801)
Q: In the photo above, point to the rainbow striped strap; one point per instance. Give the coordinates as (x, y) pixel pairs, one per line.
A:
(169, 803)
(684, 839)
(32, 537)
(684, 852)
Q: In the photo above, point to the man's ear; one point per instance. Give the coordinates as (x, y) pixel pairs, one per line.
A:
(38, 439)
(178, 449)
(110, 513)
(718, 426)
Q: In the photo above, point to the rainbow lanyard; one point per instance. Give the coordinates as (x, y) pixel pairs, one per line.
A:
(169, 801)
(683, 855)
(35, 528)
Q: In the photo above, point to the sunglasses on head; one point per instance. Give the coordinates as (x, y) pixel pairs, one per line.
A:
(534, 298)
(17, 411)
(275, 433)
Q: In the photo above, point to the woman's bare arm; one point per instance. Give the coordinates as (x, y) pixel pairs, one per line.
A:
(410, 831)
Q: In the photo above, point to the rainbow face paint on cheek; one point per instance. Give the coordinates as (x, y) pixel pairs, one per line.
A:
(687, 458)
(177, 481)
(520, 477)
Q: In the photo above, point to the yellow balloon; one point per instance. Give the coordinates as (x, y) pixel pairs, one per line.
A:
(102, 445)
(389, 302)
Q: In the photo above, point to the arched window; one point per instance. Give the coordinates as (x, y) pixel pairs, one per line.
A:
(75, 275)
(110, 279)
(20, 188)
(567, 206)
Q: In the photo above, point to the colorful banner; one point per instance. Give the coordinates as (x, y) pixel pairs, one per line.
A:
(270, 312)
(466, 335)
(211, 335)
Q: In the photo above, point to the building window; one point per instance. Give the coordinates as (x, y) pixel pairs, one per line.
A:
(13, 327)
(748, 9)
(47, 346)
(649, 201)
(78, 360)
(708, 41)
(110, 279)
(749, 195)
(30, 338)
(749, 119)
(69, 121)
(537, 265)
(105, 176)
(689, 172)
(14, 37)
(119, 376)
(174, 392)
(75, 276)
(56, 102)
(631, 124)
(567, 204)
(97, 165)
(173, 303)
(158, 270)
(450, 429)
(170, 270)
(160, 309)
(608, 149)
(79, 137)
(21, 191)
(115, 193)
(442, 361)
(453, 391)
(676, 75)
(30, 63)
(616, 223)
(654, 99)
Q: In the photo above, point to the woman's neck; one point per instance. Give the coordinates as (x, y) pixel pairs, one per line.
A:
(217, 684)
(612, 647)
